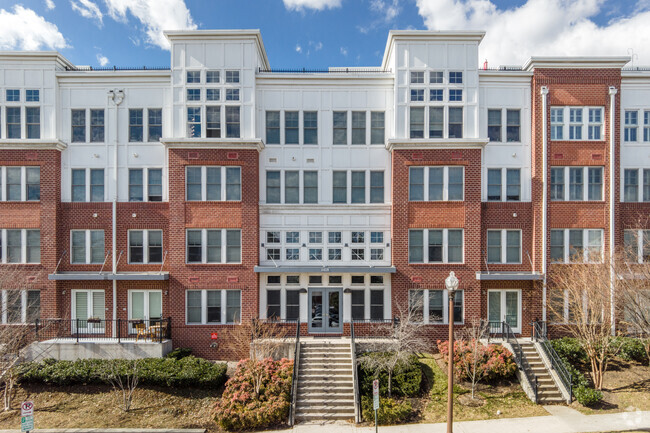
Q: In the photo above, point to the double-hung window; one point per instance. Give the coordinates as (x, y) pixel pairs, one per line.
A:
(576, 245)
(78, 122)
(637, 245)
(436, 246)
(360, 190)
(149, 189)
(213, 246)
(145, 246)
(575, 123)
(340, 127)
(576, 183)
(292, 127)
(194, 122)
(580, 119)
(632, 191)
(290, 181)
(207, 183)
(416, 122)
(494, 125)
(359, 127)
(310, 127)
(87, 185)
(557, 123)
(20, 246)
(87, 246)
(631, 125)
(646, 126)
(212, 307)
(136, 125)
(377, 125)
(513, 125)
(436, 183)
(154, 125)
(455, 125)
(20, 183)
(33, 122)
(498, 189)
(431, 306)
(595, 123)
(96, 126)
(272, 127)
(504, 246)
(213, 121)
(232, 121)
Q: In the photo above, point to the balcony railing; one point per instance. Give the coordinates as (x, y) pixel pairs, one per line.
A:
(98, 330)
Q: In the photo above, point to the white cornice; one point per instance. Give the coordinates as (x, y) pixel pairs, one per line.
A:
(213, 143)
(32, 144)
(36, 55)
(436, 143)
(576, 62)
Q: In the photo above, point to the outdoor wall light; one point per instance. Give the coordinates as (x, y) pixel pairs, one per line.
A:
(135, 155)
(95, 215)
(347, 290)
(514, 214)
(134, 214)
(303, 290)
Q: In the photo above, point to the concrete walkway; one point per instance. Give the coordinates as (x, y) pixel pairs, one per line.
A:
(561, 419)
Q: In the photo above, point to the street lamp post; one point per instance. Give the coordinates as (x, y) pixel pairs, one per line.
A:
(451, 283)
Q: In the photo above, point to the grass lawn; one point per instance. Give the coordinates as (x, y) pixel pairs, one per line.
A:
(99, 407)
(508, 398)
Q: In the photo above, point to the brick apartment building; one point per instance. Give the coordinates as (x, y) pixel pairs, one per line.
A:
(219, 190)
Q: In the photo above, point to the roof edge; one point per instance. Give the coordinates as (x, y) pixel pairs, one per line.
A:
(576, 62)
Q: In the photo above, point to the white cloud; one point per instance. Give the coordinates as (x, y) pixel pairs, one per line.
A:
(541, 28)
(25, 30)
(155, 15)
(102, 60)
(298, 49)
(319, 5)
(49, 4)
(387, 10)
(344, 51)
(318, 46)
(88, 9)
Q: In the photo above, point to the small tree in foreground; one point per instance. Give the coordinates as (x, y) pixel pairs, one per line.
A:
(472, 359)
(124, 376)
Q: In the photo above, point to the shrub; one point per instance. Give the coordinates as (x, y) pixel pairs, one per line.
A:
(570, 349)
(257, 396)
(497, 361)
(170, 372)
(587, 396)
(406, 379)
(179, 353)
(391, 411)
(632, 349)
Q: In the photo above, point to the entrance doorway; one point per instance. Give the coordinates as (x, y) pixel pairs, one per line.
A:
(505, 306)
(325, 310)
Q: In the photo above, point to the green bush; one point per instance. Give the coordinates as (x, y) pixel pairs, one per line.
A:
(587, 396)
(242, 408)
(406, 379)
(170, 372)
(179, 353)
(570, 349)
(632, 350)
(391, 411)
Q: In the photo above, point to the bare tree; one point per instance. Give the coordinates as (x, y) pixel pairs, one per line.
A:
(403, 340)
(124, 376)
(581, 299)
(472, 351)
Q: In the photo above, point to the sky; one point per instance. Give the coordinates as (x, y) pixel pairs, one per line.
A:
(316, 34)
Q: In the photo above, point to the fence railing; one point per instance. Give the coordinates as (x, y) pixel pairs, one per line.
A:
(91, 329)
(520, 358)
(357, 397)
(540, 335)
(294, 375)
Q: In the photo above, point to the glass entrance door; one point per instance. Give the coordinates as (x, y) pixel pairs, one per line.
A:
(504, 306)
(145, 305)
(325, 312)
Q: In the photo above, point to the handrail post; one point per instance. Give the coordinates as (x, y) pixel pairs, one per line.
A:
(119, 330)
(77, 329)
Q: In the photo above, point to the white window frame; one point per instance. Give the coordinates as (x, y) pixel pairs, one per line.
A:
(639, 237)
(585, 183)
(23, 246)
(445, 246)
(445, 180)
(639, 186)
(584, 124)
(630, 126)
(23, 182)
(87, 247)
(204, 245)
(445, 306)
(204, 182)
(348, 187)
(204, 307)
(145, 246)
(504, 246)
(504, 184)
(145, 184)
(585, 246)
(88, 178)
(4, 299)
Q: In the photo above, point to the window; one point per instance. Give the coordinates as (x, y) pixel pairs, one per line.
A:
(310, 127)
(417, 122)
(291, 127)
(20, 306)
(435, 77)
(436, 95)
(631, 125)
(504, 246)
(96, 126)
(376, 127)
(376, 187)
(212, 77)
(358, 304)
(20, 246)
(205, 307)
(213, 122)
(340, 187)
(455, 95)
(193, 95)
(293, 237)
(213, 246)
(137, 184)
(145, 246)
(637, 245)
(646, 126)
(584, 183)
(194, 122)
(232, 94)
(88, 185)
(193, 77)
(340, 127)
(494, 125)
(576, 245)
(575, 123)
(154, 184)
(273, 191)
(455, 127)
(358, 184)
(292, 254)
(273, 306)
(310, 187)
(315, 237)
(155, 124)
(87, 246)
(436, 183)
(135, 125)
(32, 95)
(315, 254)
(431, 306)
(358, 127)
(78, 122)
(557, 124)
(334, 254)
(291, 186)
(13, 122)
(273, 254)
(232, 76)
(13, 95)
(595, 123)
(417, 95)
(33, 122)
(272, 127)
(417, 77)
(455, 77)
(444, 246)
(212, 94)
(20, 183)
(513, 125)
(232, 121)
(631, 185)
(436, 122)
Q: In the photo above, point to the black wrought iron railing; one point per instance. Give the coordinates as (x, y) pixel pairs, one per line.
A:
(342, 70)
(95, 329)
(294, 375)
(353, 349)
(540, 335)
(116, 68)
(520, 358)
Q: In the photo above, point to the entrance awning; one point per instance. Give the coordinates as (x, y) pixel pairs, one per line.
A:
(327, 269)
(509, 276)
(108, 276)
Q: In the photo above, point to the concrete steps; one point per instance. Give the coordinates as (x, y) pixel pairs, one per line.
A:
(547, 390)
(325, 382)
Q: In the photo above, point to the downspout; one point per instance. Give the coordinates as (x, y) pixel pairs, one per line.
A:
(544, 93)
(612, 199)
(117, 98)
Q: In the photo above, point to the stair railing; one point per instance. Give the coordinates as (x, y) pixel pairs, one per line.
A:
(294, 376)
(353, 349)
(540, 335)
(520, 358)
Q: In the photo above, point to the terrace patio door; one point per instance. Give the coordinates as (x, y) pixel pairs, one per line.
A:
(505, 306)
(88, 311)
(145, 305)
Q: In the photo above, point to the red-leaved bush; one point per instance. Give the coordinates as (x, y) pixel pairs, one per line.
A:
(256, 396)
(496, 361)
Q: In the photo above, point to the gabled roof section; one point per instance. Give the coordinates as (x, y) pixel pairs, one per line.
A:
(428, 35)
(53, 56)
(203, 35)
(576, 62)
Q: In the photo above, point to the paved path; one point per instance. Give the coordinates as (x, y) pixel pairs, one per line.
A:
(562, 419)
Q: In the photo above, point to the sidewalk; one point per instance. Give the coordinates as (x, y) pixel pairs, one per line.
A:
(561, 419)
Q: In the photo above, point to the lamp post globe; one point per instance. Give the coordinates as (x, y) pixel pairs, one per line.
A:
(451, 283)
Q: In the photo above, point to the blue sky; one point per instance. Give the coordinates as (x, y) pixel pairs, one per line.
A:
(322, 33)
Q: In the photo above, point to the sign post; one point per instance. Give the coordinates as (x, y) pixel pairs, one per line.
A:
(27, 416)
(375, 399)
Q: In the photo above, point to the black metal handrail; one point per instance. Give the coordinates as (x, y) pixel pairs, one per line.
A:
(95, 329)
(520, 359)
(353, 349)
(540, 335)
(294, 375)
